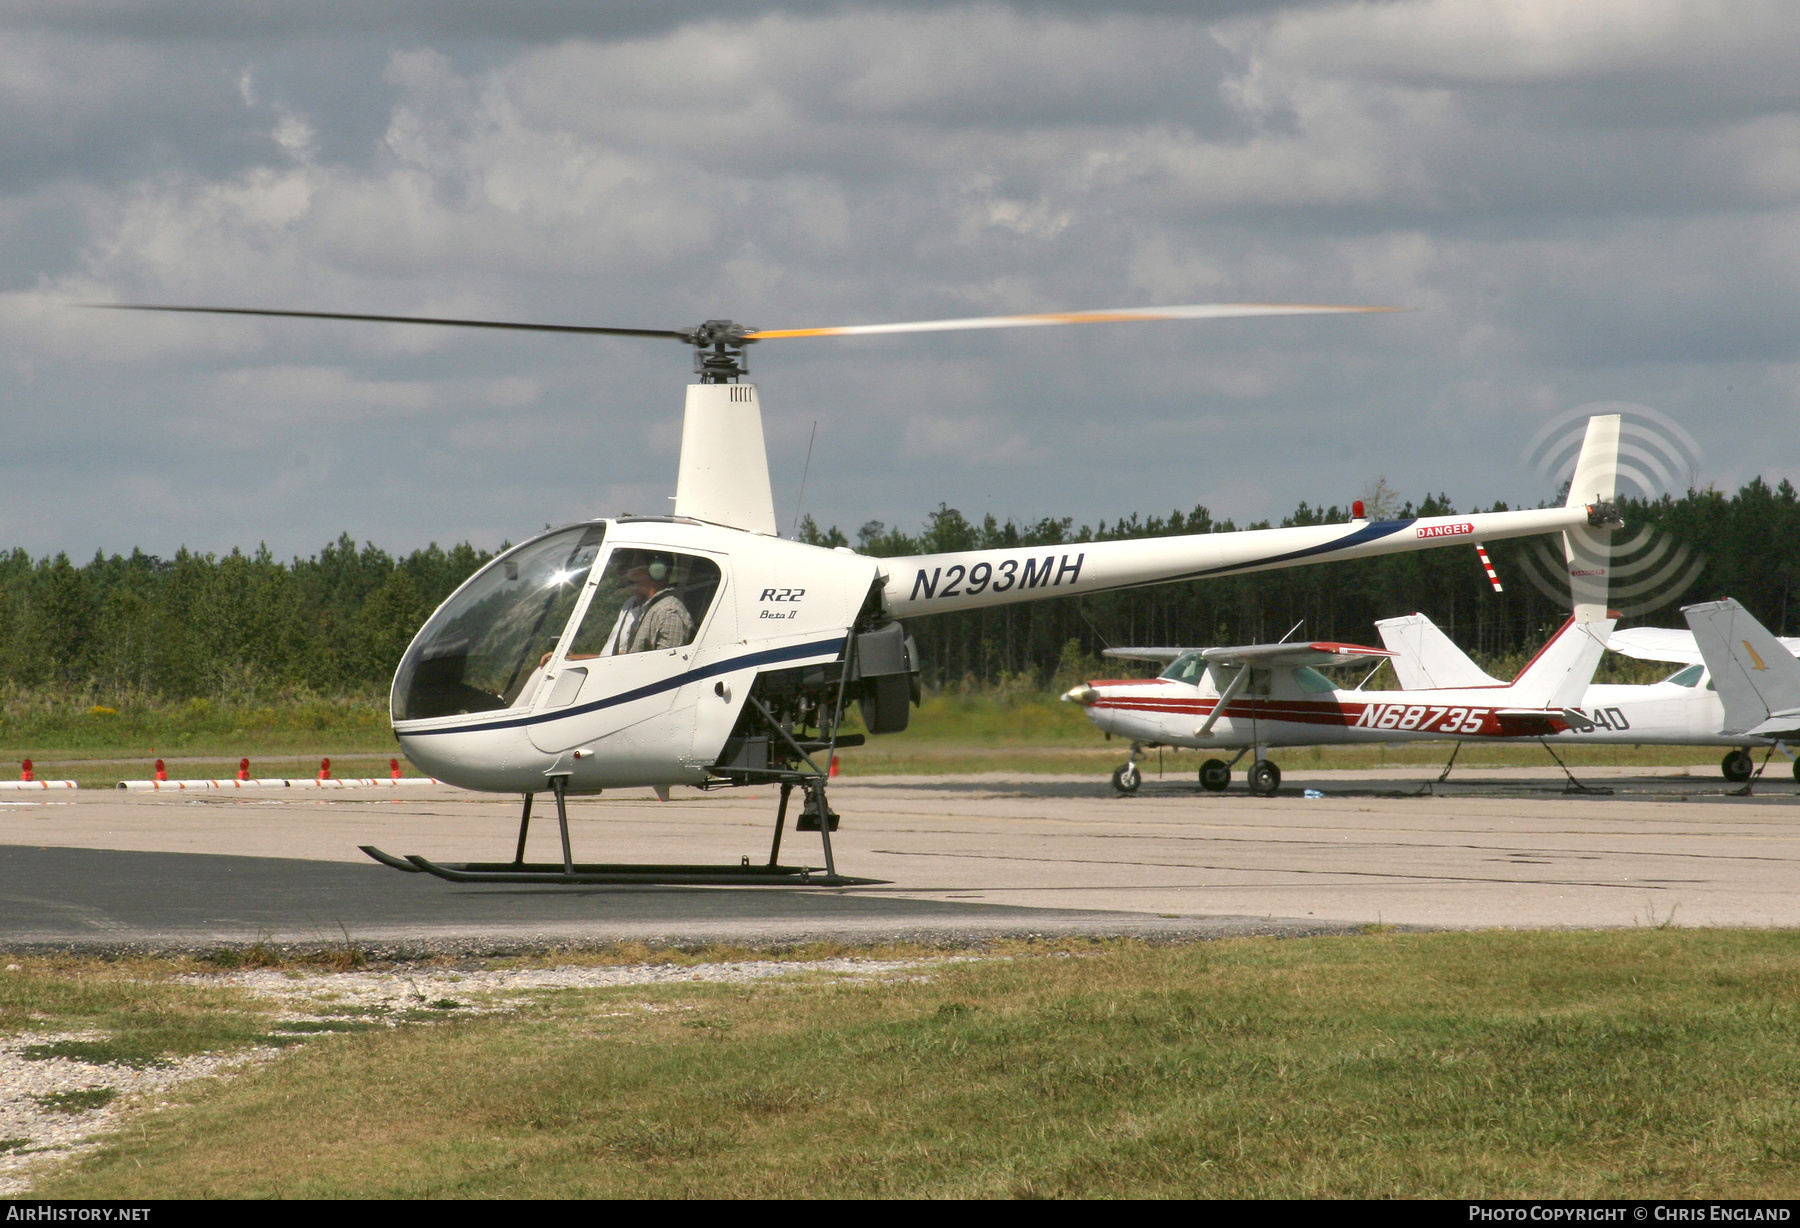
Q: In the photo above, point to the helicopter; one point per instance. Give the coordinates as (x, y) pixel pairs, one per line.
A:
(702, 649)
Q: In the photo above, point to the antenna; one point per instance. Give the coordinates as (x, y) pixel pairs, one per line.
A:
(804, 470)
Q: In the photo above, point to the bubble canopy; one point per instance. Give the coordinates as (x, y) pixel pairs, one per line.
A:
(480, 648)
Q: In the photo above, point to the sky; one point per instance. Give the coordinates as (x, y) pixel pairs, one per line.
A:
(1578, 204)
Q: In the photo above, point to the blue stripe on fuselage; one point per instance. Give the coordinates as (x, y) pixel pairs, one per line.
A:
(1374, 531)
(770, 656)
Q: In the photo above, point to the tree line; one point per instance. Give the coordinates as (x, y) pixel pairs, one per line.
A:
(249, 626)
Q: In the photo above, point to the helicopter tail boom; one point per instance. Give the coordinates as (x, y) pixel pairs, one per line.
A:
(937, 583)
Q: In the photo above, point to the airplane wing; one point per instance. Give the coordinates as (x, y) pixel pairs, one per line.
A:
(1670, 644)
(1164, 655)
(1655, 644)
(1319, 652)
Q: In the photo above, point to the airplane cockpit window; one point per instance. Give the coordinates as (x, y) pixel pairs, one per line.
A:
(481, 647)
(1312, 681)
(1687, 677)
(1186, 668)
(645, 600)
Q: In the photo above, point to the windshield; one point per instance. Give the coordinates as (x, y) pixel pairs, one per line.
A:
(482, 645)
(1687, 677)
(1186, 668)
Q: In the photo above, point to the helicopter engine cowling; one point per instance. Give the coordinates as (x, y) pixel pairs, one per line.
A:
(885, 677)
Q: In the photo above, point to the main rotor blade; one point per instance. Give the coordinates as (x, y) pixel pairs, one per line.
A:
(1197, 311)
(341, 315)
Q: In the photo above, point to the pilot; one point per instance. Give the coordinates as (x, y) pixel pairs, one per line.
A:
(654, 617)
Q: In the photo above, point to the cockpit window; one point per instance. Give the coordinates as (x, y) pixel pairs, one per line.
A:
(1687, 677)
(480, 648)
(1186, 668)
(646, 599)
(1312, 681)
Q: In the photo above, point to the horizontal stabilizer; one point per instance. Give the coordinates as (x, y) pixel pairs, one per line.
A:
(1675, 645)
(1758, 680)
(1425, 659)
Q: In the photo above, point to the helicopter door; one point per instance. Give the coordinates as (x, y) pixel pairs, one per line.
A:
(630, 648)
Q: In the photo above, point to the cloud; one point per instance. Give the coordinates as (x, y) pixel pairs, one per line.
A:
(1582, 204)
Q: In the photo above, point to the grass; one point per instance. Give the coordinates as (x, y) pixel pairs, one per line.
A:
(1647, 1063)
(81, 1100)
(143, 1015)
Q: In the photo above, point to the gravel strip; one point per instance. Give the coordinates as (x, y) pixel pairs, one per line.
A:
(33, 1134)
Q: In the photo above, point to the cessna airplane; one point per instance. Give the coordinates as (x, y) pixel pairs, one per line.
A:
(702, 649)
(1266, 695)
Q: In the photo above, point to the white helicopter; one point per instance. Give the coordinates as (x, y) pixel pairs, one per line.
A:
(702, 649)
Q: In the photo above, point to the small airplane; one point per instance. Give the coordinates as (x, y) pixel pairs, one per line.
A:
(1683, 709)
(1259, 696)
(702, 649)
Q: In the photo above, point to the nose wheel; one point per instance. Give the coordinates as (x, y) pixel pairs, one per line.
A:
(1264, 778)
(1126, 778)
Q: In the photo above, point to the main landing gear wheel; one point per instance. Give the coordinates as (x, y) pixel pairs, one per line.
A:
(1265, 778)
(1737, 765)
(1127, 778)
(1797, 769)
(1215, 775)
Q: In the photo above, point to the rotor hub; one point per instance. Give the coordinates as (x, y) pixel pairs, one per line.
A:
(718, 351)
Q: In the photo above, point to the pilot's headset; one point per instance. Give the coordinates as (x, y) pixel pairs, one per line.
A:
(658, 567)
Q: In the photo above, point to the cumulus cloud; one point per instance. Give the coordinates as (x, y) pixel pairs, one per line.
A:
(1583, 203)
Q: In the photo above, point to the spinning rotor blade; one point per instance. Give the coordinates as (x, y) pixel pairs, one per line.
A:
(341, 315)
(1197, 311)
(719, 344)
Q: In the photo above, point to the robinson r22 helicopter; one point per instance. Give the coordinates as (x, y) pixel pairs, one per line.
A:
(702, 649)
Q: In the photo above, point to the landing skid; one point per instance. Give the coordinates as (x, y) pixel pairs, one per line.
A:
(570, 872)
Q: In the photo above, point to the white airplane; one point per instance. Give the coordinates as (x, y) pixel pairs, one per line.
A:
(702, 649)
(1260, 696)
(1683, 709)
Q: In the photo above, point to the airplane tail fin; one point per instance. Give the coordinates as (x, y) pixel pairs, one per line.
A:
(1426, 659)
(1560, 673)
(1758, 680)
(1588, 550)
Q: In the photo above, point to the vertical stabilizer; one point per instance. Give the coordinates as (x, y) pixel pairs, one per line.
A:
(1757, 679)
(724, 476)
(1426, 659)
(1560, 673)
(1588, 550)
